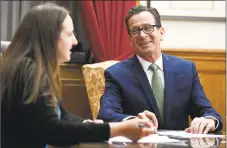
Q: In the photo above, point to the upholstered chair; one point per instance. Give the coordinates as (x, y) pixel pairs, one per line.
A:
(95, 83)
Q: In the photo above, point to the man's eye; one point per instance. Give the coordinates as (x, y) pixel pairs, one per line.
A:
(135, 30)
(147, 28)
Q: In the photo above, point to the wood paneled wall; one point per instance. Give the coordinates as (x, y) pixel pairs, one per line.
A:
(211, 67)
(74, 94)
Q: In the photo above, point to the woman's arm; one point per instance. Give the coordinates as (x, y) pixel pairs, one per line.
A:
(41, 119)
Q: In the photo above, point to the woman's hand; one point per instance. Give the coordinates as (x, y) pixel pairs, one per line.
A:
(133, 129)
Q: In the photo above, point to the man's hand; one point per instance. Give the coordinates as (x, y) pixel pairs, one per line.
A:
(149, 116)
(201, 126)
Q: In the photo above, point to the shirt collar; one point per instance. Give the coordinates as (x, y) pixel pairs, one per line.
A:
(145, 64)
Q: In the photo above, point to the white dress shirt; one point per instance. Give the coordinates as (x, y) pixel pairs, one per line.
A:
(145, 64)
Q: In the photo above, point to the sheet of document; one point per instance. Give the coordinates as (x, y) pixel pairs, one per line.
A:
(183, 134)
(153, 138)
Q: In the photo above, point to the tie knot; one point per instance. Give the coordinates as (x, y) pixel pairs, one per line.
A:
(154, 67)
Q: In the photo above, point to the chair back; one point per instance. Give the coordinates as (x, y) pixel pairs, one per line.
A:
(95, 83)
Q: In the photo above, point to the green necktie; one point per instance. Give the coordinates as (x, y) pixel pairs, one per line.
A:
(158, 89)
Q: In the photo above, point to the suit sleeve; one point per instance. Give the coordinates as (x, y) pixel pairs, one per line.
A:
(201, 106)
(111, 101)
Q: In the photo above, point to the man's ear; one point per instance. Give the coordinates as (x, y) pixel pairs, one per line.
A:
(162, 33)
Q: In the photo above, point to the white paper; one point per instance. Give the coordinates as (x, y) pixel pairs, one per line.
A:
(183, 134)
(153, 138)
(119, 139)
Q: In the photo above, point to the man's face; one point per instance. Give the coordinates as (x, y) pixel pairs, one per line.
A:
(145, 44)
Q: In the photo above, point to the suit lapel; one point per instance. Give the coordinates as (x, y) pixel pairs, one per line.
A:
(169, 86)
(140, 75)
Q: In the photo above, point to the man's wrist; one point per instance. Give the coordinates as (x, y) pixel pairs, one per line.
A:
(128, 118)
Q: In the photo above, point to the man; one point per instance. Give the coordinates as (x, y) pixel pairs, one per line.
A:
(165, 85)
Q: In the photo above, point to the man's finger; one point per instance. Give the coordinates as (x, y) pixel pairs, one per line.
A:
(207, 129)
(201, 127)
(192, 125)
(195, 125)
(143, 116)
(152, 117)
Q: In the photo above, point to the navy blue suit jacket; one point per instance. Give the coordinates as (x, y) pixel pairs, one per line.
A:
(128, 92)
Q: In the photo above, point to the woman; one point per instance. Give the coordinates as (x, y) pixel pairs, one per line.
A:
(32, 115)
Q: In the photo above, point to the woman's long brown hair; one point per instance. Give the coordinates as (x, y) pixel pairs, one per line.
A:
(35, 39)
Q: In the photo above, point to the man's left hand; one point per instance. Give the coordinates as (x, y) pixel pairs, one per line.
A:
(201, 125)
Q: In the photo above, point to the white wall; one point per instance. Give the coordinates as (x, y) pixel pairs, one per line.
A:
(194, 34)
